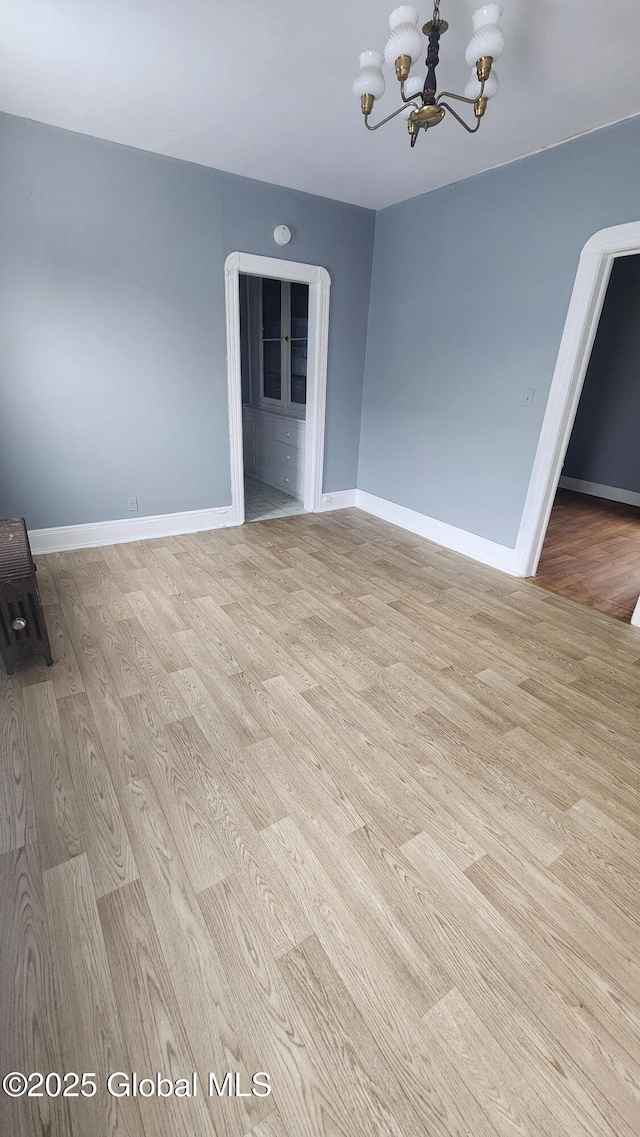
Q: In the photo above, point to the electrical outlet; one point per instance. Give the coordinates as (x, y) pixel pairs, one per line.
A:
(133, 504)
(528, 396)
(326, 497)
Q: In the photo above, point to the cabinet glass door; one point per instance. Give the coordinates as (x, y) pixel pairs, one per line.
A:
(272, 369)
(299, 372)
(271, 309)
(272, 340)
(284, 321)
(299, 298)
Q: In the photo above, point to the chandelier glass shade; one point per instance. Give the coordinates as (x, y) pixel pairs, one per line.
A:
(422, 106)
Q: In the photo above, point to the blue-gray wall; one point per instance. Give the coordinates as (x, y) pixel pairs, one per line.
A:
(112, 323)
(604, 445)
(112, 337)
(470, 291)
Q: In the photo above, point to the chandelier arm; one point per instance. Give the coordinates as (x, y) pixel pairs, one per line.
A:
(388, 118)
(405, 98)
(460, 98)
(470, 129)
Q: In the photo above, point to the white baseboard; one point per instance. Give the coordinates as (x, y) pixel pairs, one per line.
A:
(595, 489)
(338, 499)
(635, 619)
(478, 548)
(98, 533)
(128, 529)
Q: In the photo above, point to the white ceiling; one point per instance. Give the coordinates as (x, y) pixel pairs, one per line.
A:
(263, 87)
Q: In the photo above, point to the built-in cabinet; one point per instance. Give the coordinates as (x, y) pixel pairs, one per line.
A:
(274, 449)
(282, 318)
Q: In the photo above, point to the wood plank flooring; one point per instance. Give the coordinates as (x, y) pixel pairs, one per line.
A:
(317, 798)
(591, 553)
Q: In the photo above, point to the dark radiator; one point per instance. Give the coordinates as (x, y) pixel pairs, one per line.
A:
(23, 633)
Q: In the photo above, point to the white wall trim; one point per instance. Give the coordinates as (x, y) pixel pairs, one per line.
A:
(635, 619)
(95, 533)
(585, 308)
(337, 499)
(234, 385)
(459, 540)
(595, 489)
(319, 283)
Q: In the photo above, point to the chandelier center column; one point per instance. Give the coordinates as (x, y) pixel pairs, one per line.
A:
(433, 59)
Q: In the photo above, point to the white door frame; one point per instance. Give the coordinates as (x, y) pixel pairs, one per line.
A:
(319, 283)
(583, 317)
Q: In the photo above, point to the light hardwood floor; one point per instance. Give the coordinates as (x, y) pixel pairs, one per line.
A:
(317, 798)
(591, 553)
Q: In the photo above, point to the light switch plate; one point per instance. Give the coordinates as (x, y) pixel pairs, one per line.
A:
(528, 396)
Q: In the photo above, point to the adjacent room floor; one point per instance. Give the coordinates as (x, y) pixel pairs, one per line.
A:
(320, 799)
(591, 553)
(262, 502)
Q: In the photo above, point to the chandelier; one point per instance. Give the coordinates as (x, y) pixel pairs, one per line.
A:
(421, 106)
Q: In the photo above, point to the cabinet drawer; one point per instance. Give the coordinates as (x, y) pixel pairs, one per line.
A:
(285, 455)
(289, 432)
(287, 479)
(282, 479)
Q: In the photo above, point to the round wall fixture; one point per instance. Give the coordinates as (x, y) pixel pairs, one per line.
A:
(282, 234)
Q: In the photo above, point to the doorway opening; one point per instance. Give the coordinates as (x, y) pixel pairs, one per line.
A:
(587, 299)
(590, 549)
(274, 333)
(277, 340)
